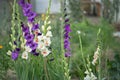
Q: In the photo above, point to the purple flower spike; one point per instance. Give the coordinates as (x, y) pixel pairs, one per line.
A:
(67, 30)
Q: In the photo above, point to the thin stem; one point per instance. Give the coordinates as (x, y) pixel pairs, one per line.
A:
(81, 49)
(45, 68)
(99, 67)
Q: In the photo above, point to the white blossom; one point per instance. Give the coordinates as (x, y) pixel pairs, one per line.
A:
(96, 56)
(49, 28)
(90, 76)
(9, 52)
(41, 45)
(49, 34)
(45, 52)
(47, 41)
(40, 38)
(43, 27)
(28, 49)
(79, 32)
(25, 55)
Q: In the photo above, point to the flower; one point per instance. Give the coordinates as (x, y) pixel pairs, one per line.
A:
(33, 46)
(90, 76)
(15, 54)
(1, 47)
(47, 41)
(35, 27)
(28, 49)
(49, 34)
(27, 10)
(66, 40)
(41, 45)
(25, 55)
(96, 56)
(45, 52)
(9, 52)
(49, 28)
(79, 32)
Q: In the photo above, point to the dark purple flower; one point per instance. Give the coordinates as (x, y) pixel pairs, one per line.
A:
(66, 20)
(17, 49)
(31, 16)
(28, 43)
(39, 34)
(25, 29)
(29, 37)
(36, 54)
(21, 2)
(33, 46)
(27, 6)
(15, 43)
(67, 28)
(35, 27)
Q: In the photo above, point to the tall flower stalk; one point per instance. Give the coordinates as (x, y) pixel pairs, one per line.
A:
(65, 43)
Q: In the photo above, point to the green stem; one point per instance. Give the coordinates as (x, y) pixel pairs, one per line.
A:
(45, 68)
(81, 49)
(99, 67)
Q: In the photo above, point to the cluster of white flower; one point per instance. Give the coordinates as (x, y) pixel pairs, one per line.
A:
(90, 76)
(44, 41)
(96, 56)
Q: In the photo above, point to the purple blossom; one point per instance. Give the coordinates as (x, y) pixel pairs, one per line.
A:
(25, 29)
(35, 27)
(29, 37)
(31, 16)
(28, 43)
(21, 2)
(67, 30)
(27, 10)
(33, 46)
(15, 54)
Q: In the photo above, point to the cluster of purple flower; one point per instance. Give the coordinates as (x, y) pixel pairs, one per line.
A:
(26, 7)
(29, 39)
(28, 31)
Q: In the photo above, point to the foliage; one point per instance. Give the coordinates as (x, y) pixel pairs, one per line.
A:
(114, 68)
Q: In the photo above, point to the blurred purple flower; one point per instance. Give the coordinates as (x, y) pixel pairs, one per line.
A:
(33, 46)
(15, 53)
(67, 54)
(67, 30)
(35, 27)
